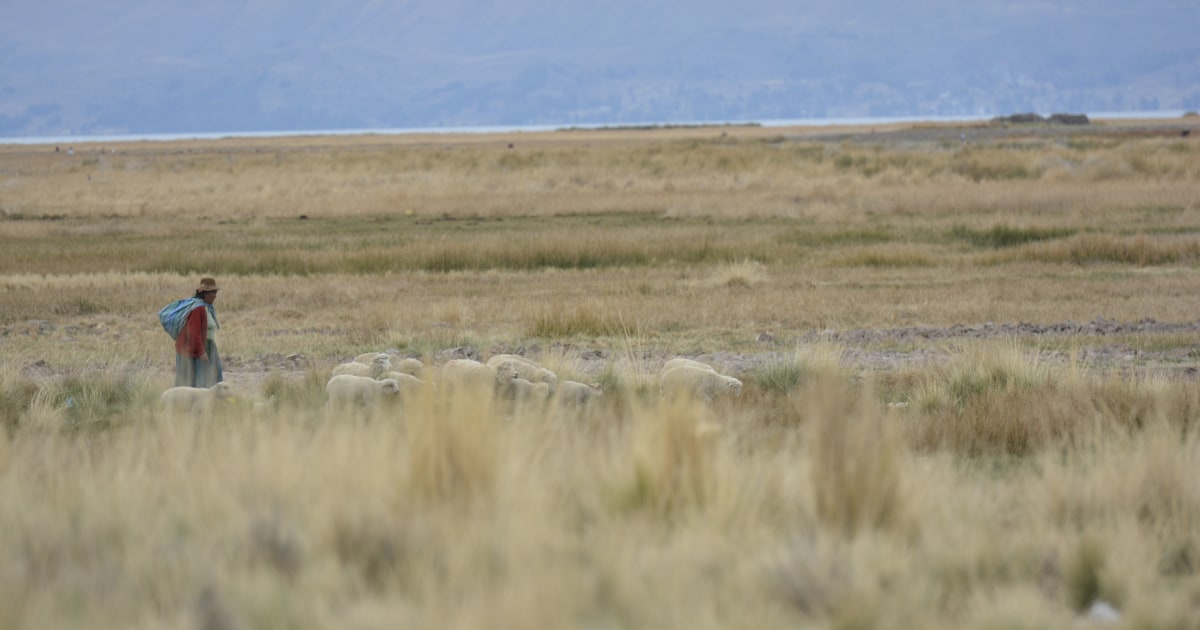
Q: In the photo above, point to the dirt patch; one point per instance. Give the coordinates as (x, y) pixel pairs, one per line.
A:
(925, 346)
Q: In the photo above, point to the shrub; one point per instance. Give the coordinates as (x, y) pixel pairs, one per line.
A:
(674, 458)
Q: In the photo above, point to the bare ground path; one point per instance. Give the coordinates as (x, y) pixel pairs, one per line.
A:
(867, 349)
(883, 349)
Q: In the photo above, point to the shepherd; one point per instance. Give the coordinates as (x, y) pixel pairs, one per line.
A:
(197, 362)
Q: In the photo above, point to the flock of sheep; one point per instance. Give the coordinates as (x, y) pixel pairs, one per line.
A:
(372, 379)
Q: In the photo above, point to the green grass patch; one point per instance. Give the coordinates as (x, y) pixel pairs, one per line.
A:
(779, 378)
(819, 237)
(1001, 236)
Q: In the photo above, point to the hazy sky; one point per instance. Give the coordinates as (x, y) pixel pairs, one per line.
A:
(145, 66)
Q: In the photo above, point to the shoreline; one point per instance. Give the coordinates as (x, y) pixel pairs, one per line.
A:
(443, 133)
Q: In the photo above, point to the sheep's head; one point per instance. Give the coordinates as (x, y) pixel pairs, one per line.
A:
(734, 386)
(223, 390)
(505, 373)
(549, 378)
(390, 387)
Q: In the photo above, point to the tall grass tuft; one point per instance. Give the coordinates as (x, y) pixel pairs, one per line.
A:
(453, 446)
(785, 376)
(674, 458)
(856, 453)
(739, 275)
(297, 394)
(782, 377)
(16, 395)
(992, 400)
(560, 321)
(1084, 574)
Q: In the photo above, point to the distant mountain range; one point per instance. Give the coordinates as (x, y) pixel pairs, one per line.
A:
(77, 67)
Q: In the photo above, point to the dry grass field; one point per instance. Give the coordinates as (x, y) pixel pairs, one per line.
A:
(969, 356)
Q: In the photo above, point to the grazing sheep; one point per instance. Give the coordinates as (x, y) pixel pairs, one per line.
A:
(526, 369)
(198, 401)
(377, 366)
(409, 384)
(682, 362)
(524, 391)
(409, 365)
(367, 357)
(468, 373)
(698, 382)
(348, 390)
(575, 394)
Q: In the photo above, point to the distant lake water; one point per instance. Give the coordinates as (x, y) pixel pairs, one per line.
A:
(786, 122)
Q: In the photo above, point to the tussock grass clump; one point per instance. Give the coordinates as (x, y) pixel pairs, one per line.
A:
(1142, 478)
(992, 400)
(16, 396)
(582, 320)
(856, 451)
(780, 378)
(306, 393)
(739, 275)
(996, 401)
(674, 466)
(85, 397)
(785, 376)
(1085, 574)
(453, 448)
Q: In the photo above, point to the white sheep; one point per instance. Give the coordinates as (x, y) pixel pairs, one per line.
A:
(576, 394)
(197, 401)
(471, 374)
(698, 382)
(367, 357)
(526, 369)
(409, 384)
(524, 391)
(409, 365)
(377, 366)
(348, 390)
(684, 362)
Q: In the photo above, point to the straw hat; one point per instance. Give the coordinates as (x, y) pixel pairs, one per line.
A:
(207, 284)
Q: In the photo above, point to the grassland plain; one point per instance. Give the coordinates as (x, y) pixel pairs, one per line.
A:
(969, 355)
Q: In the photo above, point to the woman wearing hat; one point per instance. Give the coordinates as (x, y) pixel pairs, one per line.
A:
(197, 363)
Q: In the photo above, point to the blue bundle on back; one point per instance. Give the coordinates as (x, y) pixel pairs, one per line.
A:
(173, 315)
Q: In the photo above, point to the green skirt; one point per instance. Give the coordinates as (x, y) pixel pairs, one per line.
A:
(191, 372)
